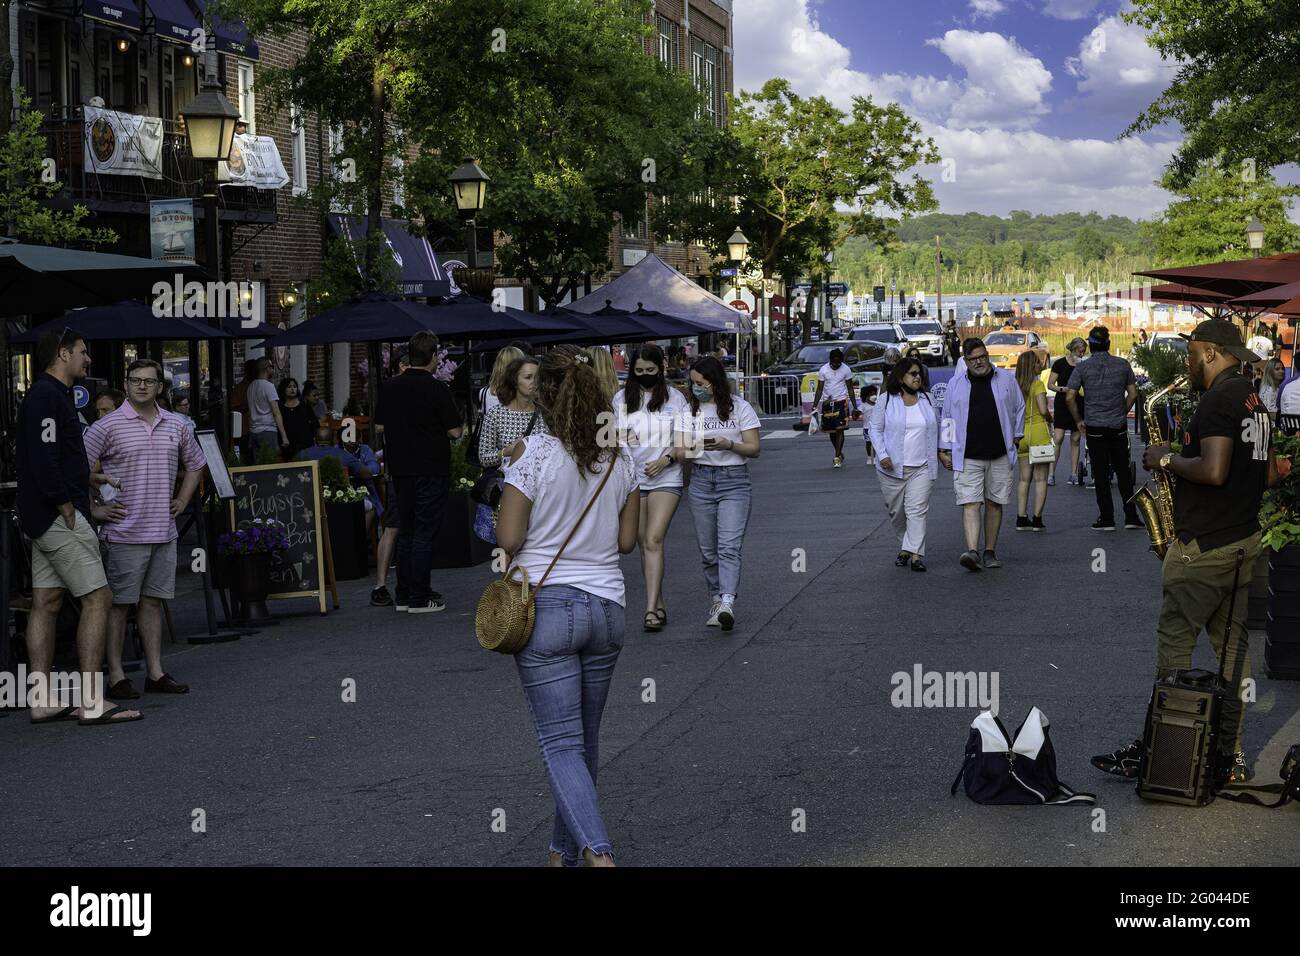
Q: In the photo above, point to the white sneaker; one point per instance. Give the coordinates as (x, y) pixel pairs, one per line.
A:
(727, 613)
(713, 614)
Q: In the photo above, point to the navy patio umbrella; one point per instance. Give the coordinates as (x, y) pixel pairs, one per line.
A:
(376, 317)
(125, 321)
(610, 325)
(49, 278)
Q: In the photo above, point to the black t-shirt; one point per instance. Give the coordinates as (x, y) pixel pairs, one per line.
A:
(416, 411)
(983, 428)
(1063, 370)
(1215, 516)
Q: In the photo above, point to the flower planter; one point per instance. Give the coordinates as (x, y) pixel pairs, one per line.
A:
(250, 582)
(1282, 647)
(456, 545)
(348, 539)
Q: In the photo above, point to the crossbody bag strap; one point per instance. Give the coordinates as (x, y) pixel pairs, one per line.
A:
(613, 461)
(531, 423)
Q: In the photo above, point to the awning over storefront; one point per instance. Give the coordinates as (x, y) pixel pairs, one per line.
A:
(232, 35)
(173, 20)
(120, 13)
(422, 274)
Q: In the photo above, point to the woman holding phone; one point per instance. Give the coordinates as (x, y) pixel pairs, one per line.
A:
(718, 434)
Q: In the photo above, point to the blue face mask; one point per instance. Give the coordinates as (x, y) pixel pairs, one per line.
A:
(702, 392)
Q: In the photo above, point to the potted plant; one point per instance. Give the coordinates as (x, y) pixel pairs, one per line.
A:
(456, 545)
(1279, 517)
(247, 553)
(346, 513)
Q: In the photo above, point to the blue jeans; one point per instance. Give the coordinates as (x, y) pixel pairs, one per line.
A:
(720, 497)
(565, 670)
(421, 500)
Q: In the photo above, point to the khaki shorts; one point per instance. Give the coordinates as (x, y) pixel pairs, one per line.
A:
(981, 480)
(140, 569)
(63, 558)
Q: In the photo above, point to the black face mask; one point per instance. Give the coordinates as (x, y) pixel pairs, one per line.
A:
(648, 381)
(908, 388)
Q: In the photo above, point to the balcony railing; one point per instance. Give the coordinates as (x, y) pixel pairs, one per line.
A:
(182, 174)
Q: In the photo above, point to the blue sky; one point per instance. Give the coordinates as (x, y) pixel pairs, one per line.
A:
(1025, 98)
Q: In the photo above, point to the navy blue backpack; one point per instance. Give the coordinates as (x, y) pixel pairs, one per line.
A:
(1001, 769)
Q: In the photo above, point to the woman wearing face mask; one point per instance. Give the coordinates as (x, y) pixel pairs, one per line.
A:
(647, 409)
(719, 434)
(1062, 420)
(904, 429)
(515, 417)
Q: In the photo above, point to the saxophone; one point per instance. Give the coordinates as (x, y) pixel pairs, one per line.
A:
(1155, 499)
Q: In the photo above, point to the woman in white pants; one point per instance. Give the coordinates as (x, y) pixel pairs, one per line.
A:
(904, 429)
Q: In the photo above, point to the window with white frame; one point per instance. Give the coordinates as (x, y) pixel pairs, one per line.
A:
(247, 100)
(667, 41)
(298, 127)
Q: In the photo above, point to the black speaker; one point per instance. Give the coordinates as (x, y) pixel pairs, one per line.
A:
(1178, 742)
(1282, 660)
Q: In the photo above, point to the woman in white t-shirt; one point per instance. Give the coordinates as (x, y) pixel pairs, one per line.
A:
(567, 664)
(904, 428)
(718, 434)
(648, 409)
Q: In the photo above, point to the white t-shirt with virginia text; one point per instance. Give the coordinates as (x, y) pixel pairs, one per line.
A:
(838, 381)
(706, 424)
(547, 475)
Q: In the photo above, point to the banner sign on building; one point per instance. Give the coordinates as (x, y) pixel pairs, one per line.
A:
(123, 144)
(171, 229)
(254, 161)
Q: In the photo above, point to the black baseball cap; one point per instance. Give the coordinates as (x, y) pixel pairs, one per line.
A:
(1224, 334)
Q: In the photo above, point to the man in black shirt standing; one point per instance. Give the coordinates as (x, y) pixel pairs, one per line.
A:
(1219, 478)
(418, 416)
(56, 514)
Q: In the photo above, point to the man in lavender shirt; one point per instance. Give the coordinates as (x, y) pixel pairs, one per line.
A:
(143, 446)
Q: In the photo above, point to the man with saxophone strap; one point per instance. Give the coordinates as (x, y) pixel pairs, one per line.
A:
(1219, 478)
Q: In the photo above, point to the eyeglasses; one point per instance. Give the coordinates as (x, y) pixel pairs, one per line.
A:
(976, 359)
(143, 382)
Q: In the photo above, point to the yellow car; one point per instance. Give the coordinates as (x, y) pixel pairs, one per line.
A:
(1005, 348)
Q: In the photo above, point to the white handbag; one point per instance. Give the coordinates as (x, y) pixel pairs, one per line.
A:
(1042, 454)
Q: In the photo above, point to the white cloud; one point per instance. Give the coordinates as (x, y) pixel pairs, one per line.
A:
(996, 169)
(1069, 9)
(1119, 74)
(1005, 84)
(986, 8)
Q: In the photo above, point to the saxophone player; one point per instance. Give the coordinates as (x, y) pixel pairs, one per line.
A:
(1219, 478)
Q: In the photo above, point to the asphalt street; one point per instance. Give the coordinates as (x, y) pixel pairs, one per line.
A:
(775, 744)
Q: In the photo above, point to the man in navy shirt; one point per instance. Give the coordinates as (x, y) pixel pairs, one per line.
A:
(56, 514)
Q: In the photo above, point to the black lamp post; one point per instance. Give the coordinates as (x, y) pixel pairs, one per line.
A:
(210, 121)
(469, 186)
(737, 248)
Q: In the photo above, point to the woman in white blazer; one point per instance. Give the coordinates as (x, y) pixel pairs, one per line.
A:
(904, 429)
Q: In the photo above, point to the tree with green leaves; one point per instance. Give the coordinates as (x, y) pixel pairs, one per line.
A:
(1237, 90)
(24, 193)
(1207, 221)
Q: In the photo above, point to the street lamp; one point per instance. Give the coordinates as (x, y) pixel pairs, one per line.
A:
(469, 186)
(737, 249)
(210, 121)
(1255, 236)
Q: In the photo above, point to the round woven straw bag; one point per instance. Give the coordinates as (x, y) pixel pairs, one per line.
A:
(504, 621)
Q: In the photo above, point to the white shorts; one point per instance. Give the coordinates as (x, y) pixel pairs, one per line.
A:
(981, 480)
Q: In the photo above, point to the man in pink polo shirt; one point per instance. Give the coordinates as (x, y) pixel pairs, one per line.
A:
(142, 445)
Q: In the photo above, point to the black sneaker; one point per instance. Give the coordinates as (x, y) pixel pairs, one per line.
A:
(426, 607)
(380, 597)
(970, 560)
(1123, 762)
(1133, 523)
(1037, 524)
(991, 560)
(1022, 523)
(1100, 525)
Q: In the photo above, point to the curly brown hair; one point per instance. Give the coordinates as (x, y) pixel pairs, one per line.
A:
(572, 399)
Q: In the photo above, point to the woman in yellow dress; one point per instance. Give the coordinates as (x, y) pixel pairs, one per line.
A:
(1038, 431)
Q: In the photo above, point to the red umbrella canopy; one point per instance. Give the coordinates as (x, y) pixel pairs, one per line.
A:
(1173, 293)
(1270, 297)
(1237, 277)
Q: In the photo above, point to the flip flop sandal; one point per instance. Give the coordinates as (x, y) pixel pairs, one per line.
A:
(651, 622)
(663, 615)
(65, 714)
(107, 717)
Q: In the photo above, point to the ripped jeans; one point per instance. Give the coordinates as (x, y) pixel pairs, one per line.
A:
(565, 670)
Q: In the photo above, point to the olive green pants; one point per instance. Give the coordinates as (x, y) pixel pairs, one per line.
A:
(1197, 589)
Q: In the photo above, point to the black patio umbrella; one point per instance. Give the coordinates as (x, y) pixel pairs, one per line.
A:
(48, 278)
(125, 321)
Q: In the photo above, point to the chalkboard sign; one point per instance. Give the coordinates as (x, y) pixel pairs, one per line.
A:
(288, 493)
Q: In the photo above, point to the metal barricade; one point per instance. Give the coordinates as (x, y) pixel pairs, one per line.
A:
(775, 396)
